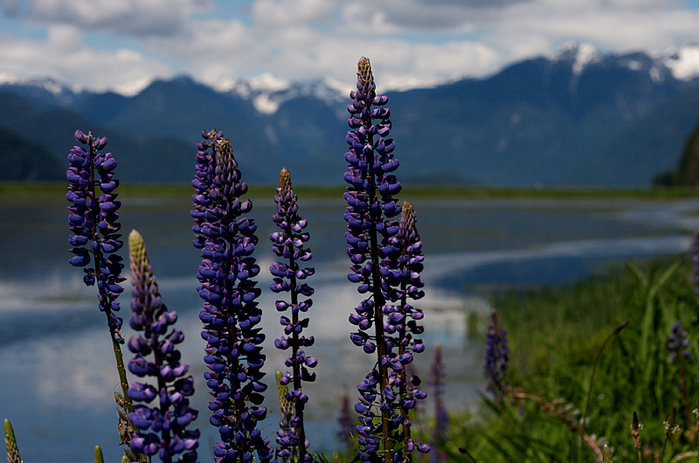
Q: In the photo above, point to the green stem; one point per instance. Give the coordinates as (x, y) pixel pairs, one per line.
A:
(614, 332)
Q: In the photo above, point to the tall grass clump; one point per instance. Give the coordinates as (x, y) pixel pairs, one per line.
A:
(579, 378)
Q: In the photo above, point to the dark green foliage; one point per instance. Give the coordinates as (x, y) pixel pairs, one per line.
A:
(555, 335)
(687, 173)
(24, 159)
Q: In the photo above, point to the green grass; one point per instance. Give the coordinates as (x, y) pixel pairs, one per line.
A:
(555, 335)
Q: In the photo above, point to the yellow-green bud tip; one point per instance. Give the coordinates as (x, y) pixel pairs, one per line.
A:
(99, 458)
(284, 179)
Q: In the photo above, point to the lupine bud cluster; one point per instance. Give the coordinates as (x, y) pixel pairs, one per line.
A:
(289, 277)
(162, 428)
(345, 422)
(375, 250)
(230, 314)
(496, 355)
(94, 222)
(441, 425)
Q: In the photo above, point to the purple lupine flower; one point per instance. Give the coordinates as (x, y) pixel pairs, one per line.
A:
(404, 284)
(678, 345)
(441, 418)
(374, 251)
(162, 429)
(496, 356)
(289, 245)
(287, 436)
(94, 223)
(345, 422)
(230, 313)
(677, 341)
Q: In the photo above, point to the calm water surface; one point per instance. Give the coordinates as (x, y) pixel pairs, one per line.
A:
(57, 371)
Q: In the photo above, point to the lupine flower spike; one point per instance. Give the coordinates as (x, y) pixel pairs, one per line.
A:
(496, 356)
(678, 345)
(93, 222)
(441, 419)
(230, 314)
(695, 260)
(162, 428)
(403, 318)
(288, 277)
(374, 252)
(345, 422)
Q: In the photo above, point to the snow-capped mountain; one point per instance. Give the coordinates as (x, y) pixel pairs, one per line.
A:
(684, 62)
(578, 116)
(268, 92)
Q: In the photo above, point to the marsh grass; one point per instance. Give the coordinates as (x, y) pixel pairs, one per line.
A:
(555, 336)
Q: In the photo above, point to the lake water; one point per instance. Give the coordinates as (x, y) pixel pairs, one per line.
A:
(57, 373)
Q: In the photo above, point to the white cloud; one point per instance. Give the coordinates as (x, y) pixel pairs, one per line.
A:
(408, 41)
(65, 58)
(293, 12)
(129, 17)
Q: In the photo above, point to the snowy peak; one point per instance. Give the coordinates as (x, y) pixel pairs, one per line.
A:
(683, 63)
(268, 92)
(47, 84)
(581, 55)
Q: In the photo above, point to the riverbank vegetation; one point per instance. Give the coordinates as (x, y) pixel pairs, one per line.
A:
(588, 361)
(51, 189)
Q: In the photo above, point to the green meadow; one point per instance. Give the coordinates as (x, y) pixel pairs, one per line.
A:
(578, 372)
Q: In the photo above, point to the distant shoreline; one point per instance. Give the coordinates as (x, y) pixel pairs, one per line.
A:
(416, 191)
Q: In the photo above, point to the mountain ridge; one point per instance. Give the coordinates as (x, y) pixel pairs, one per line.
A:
(573, 118)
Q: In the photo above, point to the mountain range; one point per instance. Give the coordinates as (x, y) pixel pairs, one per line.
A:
(578, 117)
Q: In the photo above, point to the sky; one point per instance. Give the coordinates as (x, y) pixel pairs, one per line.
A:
(124, 44)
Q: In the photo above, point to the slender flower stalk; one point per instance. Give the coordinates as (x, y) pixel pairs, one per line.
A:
(441, 418)
(695, 261)
(230, 314)
(157, 357)
(345, 422)
(289, 246)
(678, 345)
(93, 222)
(374, 251)
(403, 318)
(496, 356)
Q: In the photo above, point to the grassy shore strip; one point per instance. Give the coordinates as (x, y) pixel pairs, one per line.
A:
(556, 334)
(413, 191)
